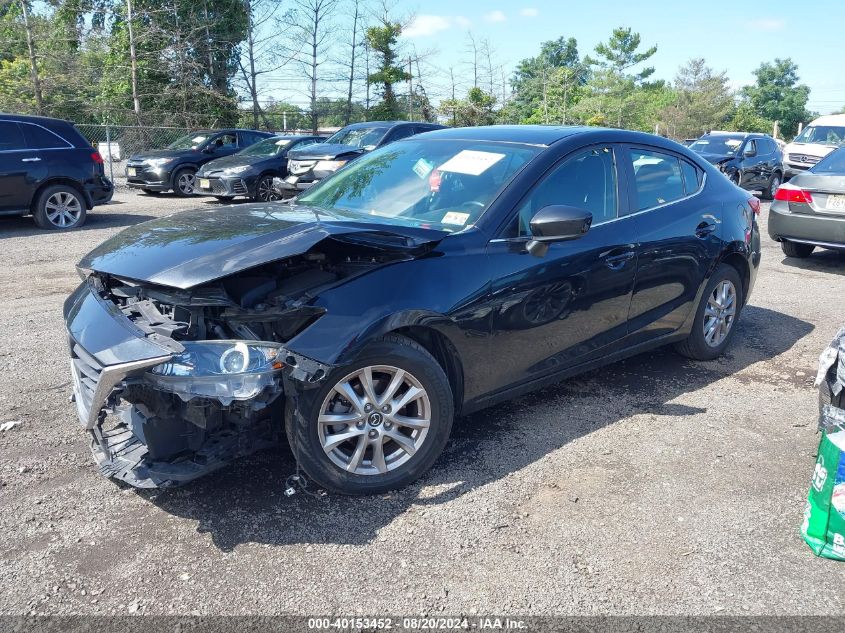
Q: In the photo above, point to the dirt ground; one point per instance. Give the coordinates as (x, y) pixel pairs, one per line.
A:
(654, 486)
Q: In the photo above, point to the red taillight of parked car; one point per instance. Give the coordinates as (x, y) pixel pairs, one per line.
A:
(754, 203)
(95, 156)
(791, 193)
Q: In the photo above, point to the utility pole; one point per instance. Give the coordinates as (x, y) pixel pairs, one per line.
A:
(33, 65)
(136, 103)
(410, 91)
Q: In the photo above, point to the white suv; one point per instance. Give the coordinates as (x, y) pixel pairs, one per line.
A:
(815, 142)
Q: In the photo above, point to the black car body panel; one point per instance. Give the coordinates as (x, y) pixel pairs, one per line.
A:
(752, 164)
(36, 152)
(224, 183)
(141, 173)
(326, 284)
(305, 170)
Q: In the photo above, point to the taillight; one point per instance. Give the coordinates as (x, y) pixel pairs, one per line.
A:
(755, 205)
(95, 156)
(791, 193)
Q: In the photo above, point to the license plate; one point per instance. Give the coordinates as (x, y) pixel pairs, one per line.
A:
(131, 171)
(291, 180)
(205, 183)
(836, 203)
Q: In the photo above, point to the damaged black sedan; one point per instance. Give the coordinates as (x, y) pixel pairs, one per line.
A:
(433, 277)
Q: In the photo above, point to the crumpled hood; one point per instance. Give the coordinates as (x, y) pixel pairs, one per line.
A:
(195, 247)
(324, 151)
(235, 160)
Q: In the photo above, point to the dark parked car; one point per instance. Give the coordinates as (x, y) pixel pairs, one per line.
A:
(751, 161)
(307, 166)
(176, 167)
(250, 172)
(431, 278)
(48, 169)
(809, 210)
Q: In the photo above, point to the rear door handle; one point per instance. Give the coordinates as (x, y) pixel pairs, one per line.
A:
(616, 260)
(30, 160)
(704, 229)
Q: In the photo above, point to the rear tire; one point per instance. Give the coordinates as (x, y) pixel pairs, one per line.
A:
(59, 208)
(796, 249)
(774, 183)
(698, 345)
(335, 467)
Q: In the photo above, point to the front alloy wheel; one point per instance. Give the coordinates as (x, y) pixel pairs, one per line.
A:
(376, 425)
(374, 420)
(264, 191)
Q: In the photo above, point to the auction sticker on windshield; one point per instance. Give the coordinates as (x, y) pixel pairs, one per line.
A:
(422, 168)
(471, 162)
(455, 217)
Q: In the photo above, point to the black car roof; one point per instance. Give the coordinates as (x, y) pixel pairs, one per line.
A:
(738, 134)
(530, 134)
(355, 126)
(30, 118)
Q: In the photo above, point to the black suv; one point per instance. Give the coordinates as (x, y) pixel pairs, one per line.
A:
(309, 165)
(176, 166)
(48, 169)
(751, 161)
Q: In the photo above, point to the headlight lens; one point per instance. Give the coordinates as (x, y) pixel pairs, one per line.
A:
(236, 170)
(215, 358)
(224, 370)
(158, 162)
(329, 165)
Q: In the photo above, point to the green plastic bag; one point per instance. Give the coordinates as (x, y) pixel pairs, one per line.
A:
(824, 515)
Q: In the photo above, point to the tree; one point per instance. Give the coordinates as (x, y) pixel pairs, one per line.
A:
(476, 109)
(313, 23)
(382, 40)
(747, 119)
(777, 95)
(612, 84)
(703, 101)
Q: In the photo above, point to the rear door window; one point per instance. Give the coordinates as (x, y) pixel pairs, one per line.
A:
(41, 138)
(11, 137)
(657, 178)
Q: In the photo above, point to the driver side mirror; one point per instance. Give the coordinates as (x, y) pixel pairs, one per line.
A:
(209, 149)
(557, 223)
(749, 152)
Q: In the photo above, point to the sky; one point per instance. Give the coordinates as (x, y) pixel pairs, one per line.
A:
(735, 36)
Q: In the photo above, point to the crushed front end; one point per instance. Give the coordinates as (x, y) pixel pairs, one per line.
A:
(173, 384)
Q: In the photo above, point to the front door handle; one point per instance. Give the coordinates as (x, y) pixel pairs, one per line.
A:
(704, 229)
(30, 160)
(616, 260)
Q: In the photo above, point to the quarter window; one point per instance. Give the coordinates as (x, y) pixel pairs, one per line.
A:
(11, 137)
(692, 177)
(586, 180)
(657, 178)
(42, 138)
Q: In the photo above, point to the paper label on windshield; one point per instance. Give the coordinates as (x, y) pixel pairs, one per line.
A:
(455, 217)
(471, 162)
(422, 167)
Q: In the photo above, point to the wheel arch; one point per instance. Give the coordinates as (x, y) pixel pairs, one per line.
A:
(61, 180)
(739, 262)
(444, 352)
(179, 168)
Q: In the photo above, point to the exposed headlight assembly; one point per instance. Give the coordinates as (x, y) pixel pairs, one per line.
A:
(225, 370)
(329, 165)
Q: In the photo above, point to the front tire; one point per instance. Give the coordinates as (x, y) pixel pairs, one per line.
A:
(264, 190)
(59, 208)
(375, 425)
(716, 316)
(184, 181)
(796, 249)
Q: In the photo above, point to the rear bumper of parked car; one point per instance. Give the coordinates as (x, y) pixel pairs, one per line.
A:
(99, 191)
(224, 185)
(821, 230)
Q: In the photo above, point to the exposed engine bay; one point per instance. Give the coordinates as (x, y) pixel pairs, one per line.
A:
(221, 393)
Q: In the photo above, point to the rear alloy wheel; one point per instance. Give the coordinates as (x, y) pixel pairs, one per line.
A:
(716, 316)
(184, 182)
(59, 207)
(264, 190)
(376, 425)
(796, 249)
(774, 183)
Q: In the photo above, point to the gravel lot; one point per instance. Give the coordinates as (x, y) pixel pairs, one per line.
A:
(654, 486)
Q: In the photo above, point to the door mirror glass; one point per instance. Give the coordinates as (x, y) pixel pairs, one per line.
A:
(557, 223)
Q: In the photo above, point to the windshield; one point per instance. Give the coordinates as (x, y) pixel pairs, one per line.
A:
(366, 137)
(190, 141)
(823, 134)
(723, 146)
(445, 185)
(267, 147)
(833, 163)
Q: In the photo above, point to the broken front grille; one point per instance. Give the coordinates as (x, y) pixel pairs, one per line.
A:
(86, 373)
